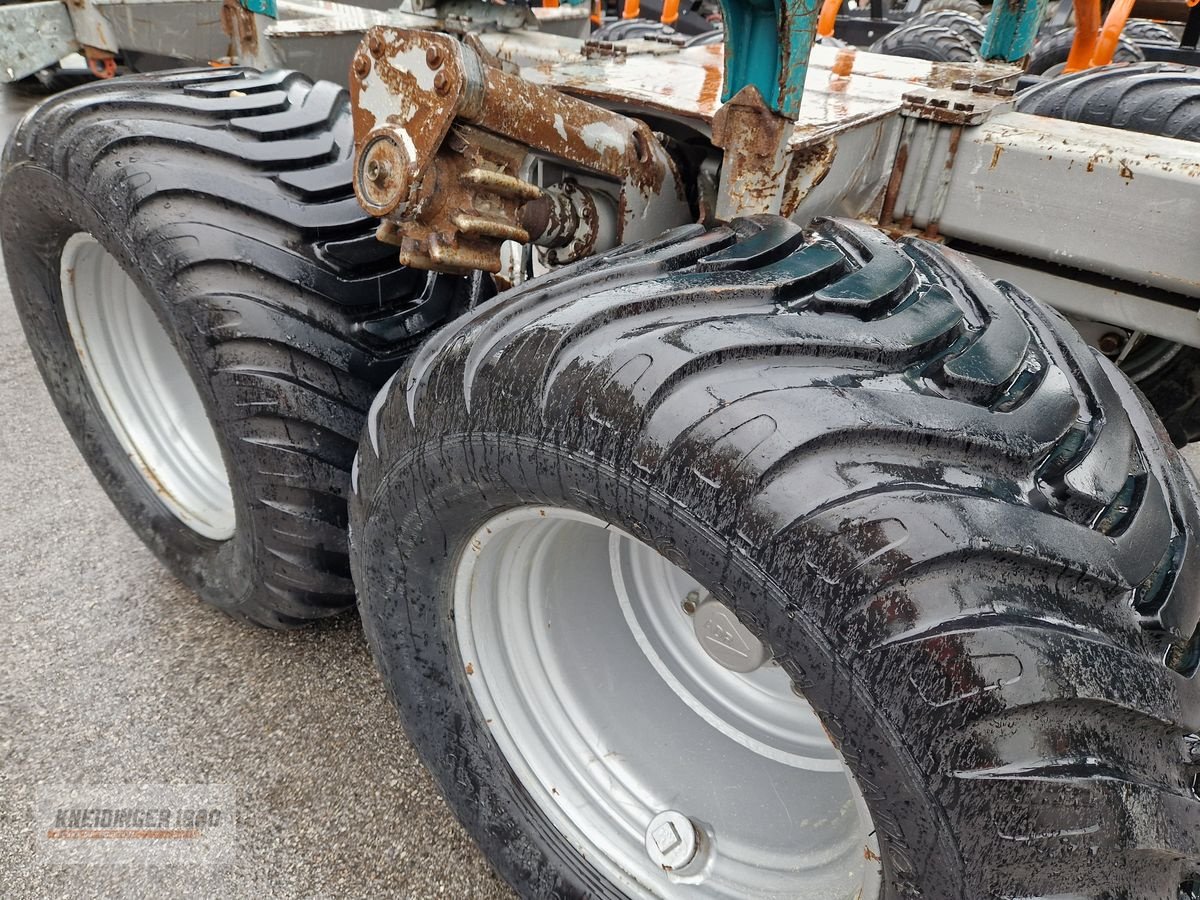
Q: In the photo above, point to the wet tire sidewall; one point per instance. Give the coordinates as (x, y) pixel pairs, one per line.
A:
(405, 600)
(52, 212)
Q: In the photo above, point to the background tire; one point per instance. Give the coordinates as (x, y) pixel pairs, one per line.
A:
(1144, 31)
(956, 529)
(960, 22)
(1151, 98)
(1050, 54)
(225, 196)
(970, 7)
(921, 40)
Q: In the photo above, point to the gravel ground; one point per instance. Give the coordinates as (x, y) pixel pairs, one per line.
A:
(110, 672)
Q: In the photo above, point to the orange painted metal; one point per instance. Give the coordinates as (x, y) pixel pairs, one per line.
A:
(829, 14)
(670, 12)
(1087, 32)
(1110, 34)
(631, 10)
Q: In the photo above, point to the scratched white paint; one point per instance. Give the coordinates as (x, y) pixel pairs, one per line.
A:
(601, 137)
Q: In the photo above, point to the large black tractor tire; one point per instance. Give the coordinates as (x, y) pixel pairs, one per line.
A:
(1151, 98)
(1050, 54)
(223, 198)
(970, 7)
(923, 40)
(960, 22)
(957, 531)
(1145, 31)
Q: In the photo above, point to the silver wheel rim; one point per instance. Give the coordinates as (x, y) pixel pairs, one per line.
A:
(144, 389)
(587, 671)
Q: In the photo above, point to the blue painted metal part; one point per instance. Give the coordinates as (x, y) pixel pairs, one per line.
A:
(1012, 28)
(767, 45)
(261, 7)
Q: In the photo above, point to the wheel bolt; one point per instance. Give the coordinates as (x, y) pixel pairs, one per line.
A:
(672, 840)
(690, 602)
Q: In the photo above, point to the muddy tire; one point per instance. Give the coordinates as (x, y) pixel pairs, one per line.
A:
(1050, 54)
(923, 40)
(669, 537)
(212, 315)
(1152, 98)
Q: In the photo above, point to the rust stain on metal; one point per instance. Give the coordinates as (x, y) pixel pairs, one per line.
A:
(810, 165)
(442, 138)
(996, 156)
(239, 25)
(755, 140)
(843, 63)
(892, 190)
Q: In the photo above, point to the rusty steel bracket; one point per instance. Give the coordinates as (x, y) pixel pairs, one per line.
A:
(444, 144)
(933, 123)
(755, 140)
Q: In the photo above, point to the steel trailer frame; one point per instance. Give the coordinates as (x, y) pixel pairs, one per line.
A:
(1101, 221)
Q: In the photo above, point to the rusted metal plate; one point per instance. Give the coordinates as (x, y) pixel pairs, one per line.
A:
(844, 86)
(449, 191)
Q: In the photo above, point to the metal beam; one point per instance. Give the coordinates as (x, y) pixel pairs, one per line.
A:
(1118, 203)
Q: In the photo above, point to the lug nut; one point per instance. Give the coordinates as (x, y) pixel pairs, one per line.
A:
(690, 602)
(673, 841)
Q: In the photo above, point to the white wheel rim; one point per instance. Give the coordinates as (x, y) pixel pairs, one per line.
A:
(144, 389)
(585, 668)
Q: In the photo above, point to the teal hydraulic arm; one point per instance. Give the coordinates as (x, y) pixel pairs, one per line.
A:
(767, 45)
(1011, 30)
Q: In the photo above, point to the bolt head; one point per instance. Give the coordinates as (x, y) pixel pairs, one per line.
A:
(362, 65)
(672, 840)
(1111, 343)
(441, 83)
(382, 175)
(378, 170)
(433, 57)
(375, 45)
